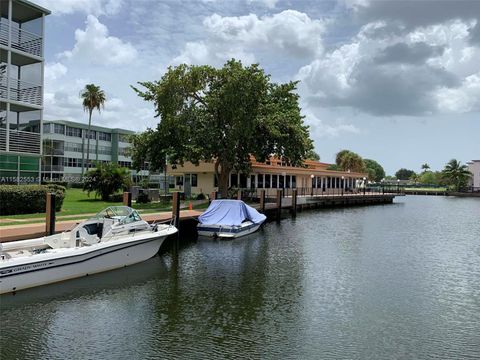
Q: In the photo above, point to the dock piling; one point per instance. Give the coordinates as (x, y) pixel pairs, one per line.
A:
(50, 214)
(294, 202)
(279, 203)
(262, 201)
(176, 208)
(127, 199)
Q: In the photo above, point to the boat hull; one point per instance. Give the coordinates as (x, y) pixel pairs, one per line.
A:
(46, 271)
(226, 232)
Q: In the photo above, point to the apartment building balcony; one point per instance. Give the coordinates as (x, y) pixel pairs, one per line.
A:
(21, 40)
(20, 141)
(21, 91)
(54, 168)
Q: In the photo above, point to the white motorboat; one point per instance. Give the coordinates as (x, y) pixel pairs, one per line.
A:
(229, 219)
(114, 238)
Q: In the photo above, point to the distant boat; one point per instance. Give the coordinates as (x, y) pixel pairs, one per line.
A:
(229, 219)
(114, 238)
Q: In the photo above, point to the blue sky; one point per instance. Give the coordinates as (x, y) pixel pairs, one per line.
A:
(395, 81)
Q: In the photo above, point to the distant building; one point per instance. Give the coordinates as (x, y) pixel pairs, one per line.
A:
(474, 167)
(63, 142)
(273, 174)
(22, 29)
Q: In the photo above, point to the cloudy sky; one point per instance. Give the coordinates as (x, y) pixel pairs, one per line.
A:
(395, 81)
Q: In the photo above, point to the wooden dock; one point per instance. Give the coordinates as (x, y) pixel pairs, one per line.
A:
(272, 207)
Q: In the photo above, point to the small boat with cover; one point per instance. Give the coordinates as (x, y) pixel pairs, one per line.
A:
(229, 219)
(114, 238)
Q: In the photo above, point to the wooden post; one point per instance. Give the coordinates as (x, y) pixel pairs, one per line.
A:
(262, 201)
(294, 202)
(50, 214)
(279, 203)
(239, 195)
(127, 199)
(176, 208)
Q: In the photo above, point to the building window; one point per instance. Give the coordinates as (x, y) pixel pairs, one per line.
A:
(92, 135)
(59, 129)
(127, 164)
(179, 180)
(243, 181)
(104, 136)
(260, 181)
(233, 180)
(274, 181)
(46, 128)
(281, 181)
(288, 182)
(294, 182)
(123, 151)
(74, 132)
(104, 150)
(252, 181)
(267, 181)
(124, 138)
(194, 180)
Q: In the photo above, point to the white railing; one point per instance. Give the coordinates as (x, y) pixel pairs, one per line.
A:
(21, 39)
(52, 167)
(3, 139)
(24, 141)
(22, 91)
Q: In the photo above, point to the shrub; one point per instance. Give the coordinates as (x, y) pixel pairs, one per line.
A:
(143, 198)
(106, 180)
(61, 183)
(28, 199)
(201, 196)
(116, 198)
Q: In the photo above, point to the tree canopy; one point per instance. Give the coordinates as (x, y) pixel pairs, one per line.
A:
(106, 179)
(456, 173)
(222, 115)
(92, 98)
(404, 174)
(374, 169)
(348, 160)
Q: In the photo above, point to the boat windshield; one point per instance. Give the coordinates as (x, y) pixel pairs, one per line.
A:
(124, 214)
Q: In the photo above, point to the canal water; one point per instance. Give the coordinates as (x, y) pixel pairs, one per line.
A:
(399, 281)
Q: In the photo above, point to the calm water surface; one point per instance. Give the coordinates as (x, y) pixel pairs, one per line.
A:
(398, 281)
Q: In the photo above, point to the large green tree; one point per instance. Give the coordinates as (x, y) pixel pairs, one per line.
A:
(223, 115)
(456, 174)
(348, 160)
(374, 169)
(92, 98)
(404, 174)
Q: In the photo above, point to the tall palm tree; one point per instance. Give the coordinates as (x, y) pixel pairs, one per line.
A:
(93, 98)
(425, 167)
(456, 173)
(348, 160)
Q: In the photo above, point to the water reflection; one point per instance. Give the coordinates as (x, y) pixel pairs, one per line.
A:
(399, 281)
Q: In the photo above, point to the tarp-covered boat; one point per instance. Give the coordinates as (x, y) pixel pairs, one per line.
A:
(229, 219)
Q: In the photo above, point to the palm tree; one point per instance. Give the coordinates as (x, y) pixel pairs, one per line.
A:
(93, 98)
(425, 167)
(456, 173)
(348, 160)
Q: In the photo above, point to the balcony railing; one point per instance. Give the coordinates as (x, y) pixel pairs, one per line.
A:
(21, 39)
(59, 168)
(22, 91)
(24, 142)
(3, 139)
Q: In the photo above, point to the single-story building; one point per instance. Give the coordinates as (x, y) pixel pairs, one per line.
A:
(272, 174)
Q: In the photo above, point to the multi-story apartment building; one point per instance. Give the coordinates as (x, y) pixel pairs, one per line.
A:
(63, 142)
(474, 167)
(22, 25)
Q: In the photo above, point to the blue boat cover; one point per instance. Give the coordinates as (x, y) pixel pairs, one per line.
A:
(230, 212)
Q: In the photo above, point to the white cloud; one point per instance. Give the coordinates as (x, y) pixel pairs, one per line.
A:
(288, 33)
(465, 98)
(397, 74)
(93, 45)
(96, 7)
(54, 71)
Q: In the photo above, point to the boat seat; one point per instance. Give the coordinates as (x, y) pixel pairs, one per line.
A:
(86, 238)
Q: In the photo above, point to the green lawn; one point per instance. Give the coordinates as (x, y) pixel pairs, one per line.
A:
(440, 189)
(77, 202)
